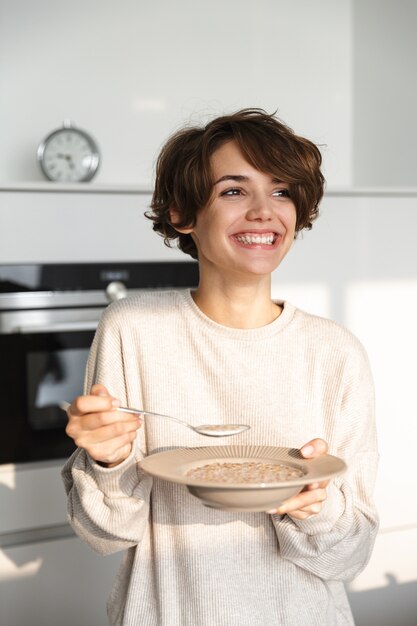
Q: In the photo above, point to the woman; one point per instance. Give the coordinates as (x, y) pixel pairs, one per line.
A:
(234, 194)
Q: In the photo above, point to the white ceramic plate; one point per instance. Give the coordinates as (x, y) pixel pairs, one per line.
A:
(174, 465)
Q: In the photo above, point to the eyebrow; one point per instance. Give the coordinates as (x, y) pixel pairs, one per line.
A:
(239, 178)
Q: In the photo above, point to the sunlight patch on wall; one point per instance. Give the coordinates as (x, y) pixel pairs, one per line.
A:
(311, 297)
(11, 571)
(8, 476)
(383, 315)
(392, 561)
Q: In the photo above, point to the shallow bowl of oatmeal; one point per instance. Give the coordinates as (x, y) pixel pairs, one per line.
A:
(241, 478)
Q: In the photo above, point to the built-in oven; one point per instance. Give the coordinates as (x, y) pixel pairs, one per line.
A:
(48, 316)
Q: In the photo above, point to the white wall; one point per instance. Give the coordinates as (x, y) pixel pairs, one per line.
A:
(384, 92)
(132, 72)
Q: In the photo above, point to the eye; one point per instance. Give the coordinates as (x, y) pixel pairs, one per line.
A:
(282, 193)
(234, 191)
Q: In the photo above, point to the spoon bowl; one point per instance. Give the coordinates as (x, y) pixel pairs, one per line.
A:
(208, 430)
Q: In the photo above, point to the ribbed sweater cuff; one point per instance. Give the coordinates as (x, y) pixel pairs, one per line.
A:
(119, 481)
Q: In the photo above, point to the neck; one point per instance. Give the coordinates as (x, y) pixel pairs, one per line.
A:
(246, 305)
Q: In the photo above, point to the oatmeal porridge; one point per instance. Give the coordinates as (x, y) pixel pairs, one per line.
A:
(245, 472)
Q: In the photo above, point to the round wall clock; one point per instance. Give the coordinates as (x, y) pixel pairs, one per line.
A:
(68, 154)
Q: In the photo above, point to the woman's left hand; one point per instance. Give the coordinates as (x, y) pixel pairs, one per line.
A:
(310, 500)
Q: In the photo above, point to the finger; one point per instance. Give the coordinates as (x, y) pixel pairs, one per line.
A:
(316, 507)
(314, 448)
(87, 424)
(112, 451)
(313, 486)
(302, 500)
(92, 404)
(302, 514)
(92, 421)
(105, 433)
(99, 390)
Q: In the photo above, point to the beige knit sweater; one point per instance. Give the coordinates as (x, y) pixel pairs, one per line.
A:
(297, 378)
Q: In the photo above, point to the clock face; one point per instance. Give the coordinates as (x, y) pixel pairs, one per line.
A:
(68, 155)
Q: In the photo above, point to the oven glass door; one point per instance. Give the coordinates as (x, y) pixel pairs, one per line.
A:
(37, 371)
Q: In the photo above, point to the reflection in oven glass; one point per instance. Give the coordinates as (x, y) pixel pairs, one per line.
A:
(53, 377)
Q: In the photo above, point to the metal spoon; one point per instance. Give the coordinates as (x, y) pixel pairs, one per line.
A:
(208, 430)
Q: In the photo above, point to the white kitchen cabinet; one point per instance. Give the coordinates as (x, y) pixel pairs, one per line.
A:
(48, 576)
(53, 583)
(32, 495)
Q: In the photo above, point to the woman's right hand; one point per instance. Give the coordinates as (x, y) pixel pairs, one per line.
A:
(96, 426)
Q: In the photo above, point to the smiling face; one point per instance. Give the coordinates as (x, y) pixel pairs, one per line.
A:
(249, 224)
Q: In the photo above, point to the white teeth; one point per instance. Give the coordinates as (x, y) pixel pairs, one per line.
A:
(250, 239)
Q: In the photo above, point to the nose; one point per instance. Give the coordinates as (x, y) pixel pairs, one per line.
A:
(259, 209)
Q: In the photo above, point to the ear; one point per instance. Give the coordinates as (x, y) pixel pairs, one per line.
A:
(175, 218)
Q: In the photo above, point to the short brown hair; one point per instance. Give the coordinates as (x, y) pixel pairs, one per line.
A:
(184, 178)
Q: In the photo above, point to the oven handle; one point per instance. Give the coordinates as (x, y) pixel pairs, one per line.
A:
(65, 327)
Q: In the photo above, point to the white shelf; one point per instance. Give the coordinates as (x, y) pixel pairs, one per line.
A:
(75, 188)
(357, 192)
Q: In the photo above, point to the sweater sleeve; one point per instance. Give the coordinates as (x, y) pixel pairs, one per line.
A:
(108, 507)
(336, 544)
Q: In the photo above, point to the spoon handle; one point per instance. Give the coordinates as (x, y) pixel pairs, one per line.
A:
(125, 409)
